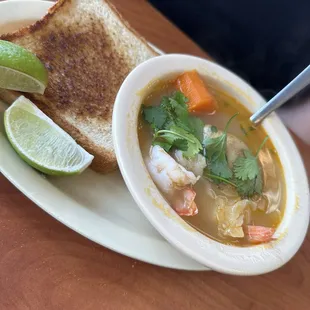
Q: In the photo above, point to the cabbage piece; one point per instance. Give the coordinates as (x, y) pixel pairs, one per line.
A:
(231, 217)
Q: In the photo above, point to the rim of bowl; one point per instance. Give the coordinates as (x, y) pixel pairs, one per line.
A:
(252, 260)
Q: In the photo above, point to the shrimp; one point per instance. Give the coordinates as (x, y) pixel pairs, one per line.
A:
(167, 173)
(195, 164)
(174, 180)
(186, 205)
(259, 234)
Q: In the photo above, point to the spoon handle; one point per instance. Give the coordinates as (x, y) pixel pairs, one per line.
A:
(295, 86)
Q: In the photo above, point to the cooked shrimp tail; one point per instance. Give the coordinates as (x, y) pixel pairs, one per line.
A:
(259, 234)
(174, 180)
(185, 205)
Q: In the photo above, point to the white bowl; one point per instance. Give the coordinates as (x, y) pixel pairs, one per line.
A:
(223, 258)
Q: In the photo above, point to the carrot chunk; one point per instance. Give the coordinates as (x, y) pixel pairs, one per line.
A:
(200, 98)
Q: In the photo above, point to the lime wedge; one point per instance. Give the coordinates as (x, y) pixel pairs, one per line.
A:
(21, 70)
(41, 143)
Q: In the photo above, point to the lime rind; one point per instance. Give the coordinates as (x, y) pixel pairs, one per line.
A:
(18, 58)
(48, 144)
(16, 80)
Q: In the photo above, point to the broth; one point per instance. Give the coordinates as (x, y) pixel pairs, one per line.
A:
(208, 194)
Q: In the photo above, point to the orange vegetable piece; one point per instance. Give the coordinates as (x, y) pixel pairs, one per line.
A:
(187, 205)
(259, 234)
(193, 87)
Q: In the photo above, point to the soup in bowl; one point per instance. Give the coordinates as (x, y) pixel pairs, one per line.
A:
(222, 191)
(213, 167)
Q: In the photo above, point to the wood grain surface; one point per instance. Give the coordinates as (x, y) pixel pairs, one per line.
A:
(44, 265)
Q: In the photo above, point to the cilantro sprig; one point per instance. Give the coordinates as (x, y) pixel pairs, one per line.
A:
(173, 126)
(217, 178)
(155, 116)
(245, 176)
(247, 173)
(215, 149)
(246, 167)
(180, 139)
(248, 187)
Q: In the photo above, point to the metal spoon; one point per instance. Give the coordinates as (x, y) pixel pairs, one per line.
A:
(295, 86)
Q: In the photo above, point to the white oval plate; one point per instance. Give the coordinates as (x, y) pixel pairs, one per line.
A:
(99, 207)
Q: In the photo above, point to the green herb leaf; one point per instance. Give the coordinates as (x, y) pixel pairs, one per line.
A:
(181, 144)
(165, 145)
(215, 149)
(247, 173)
(251, 128)
(246, 167)
(156, 116)
(247, 188)
(174, 126)
(220, 167)
(180, 98)
(216, 179)
(216, 156)
(196, 127)
(176, 108)
(246, 131)
(177, 137)
(171, 138)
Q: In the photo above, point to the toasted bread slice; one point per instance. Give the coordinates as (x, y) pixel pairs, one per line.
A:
(88, 50)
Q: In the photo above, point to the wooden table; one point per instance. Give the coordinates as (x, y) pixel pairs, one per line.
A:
(44, 265)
